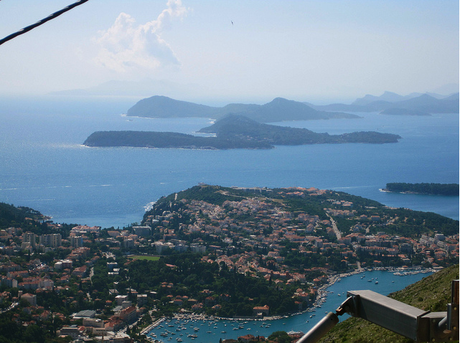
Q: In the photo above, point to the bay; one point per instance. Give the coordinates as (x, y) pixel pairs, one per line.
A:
(211, 330)
(45, 166)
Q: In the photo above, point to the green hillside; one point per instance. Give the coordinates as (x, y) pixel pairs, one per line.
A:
(431, 293)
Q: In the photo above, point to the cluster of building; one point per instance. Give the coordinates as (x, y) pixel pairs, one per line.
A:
(14, 240)
(262, 223)
(249, 235)
(34, 277)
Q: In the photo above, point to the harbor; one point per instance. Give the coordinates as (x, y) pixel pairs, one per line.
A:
(189, 328)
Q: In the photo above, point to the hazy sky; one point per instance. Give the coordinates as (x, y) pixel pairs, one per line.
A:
(302, 50)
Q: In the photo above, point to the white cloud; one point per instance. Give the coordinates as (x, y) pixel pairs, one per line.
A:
(128, 46)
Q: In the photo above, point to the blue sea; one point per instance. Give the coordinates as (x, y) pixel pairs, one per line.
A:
(44, 165)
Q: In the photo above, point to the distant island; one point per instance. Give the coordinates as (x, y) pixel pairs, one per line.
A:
(423, 188)
(415, 104)
(275, 111)
(233, 132)
(280, 109)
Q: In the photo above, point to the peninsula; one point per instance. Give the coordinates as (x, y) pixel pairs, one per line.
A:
(233, 132)
(207, 251)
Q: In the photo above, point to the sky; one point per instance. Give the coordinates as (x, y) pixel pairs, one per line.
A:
(246, 51)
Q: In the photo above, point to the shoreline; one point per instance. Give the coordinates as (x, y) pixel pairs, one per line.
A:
(322, 291)
(385, 190)
(321, 297)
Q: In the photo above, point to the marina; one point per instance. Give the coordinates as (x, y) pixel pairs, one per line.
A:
(199, 328)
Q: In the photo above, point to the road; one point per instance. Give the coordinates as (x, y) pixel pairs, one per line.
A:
(12, 306)
(334, 227)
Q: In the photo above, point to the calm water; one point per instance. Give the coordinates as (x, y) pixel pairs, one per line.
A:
(212, 331)
(44, 165)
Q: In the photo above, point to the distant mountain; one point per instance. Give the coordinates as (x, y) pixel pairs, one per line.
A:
(386, 96)
(277, 110)
(164, 107)
(138, 89)
(392, 103)
(280, 109)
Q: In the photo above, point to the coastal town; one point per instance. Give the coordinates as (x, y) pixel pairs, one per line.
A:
(77, 282)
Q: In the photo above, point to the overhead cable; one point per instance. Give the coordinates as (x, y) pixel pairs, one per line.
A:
(44, 20)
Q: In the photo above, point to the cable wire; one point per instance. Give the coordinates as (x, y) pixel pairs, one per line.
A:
(44, 20)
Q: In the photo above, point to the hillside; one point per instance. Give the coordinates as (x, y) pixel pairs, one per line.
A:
(431, 293)
(277, 110)
(284, 216)
(25, 217)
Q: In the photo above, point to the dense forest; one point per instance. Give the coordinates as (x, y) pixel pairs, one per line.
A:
(423, 188)
(208, 283)
(11, 331)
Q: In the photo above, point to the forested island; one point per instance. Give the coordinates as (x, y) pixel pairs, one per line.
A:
(233, 132)
(450, 189)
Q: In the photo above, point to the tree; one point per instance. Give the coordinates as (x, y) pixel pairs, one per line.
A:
(280, 337)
